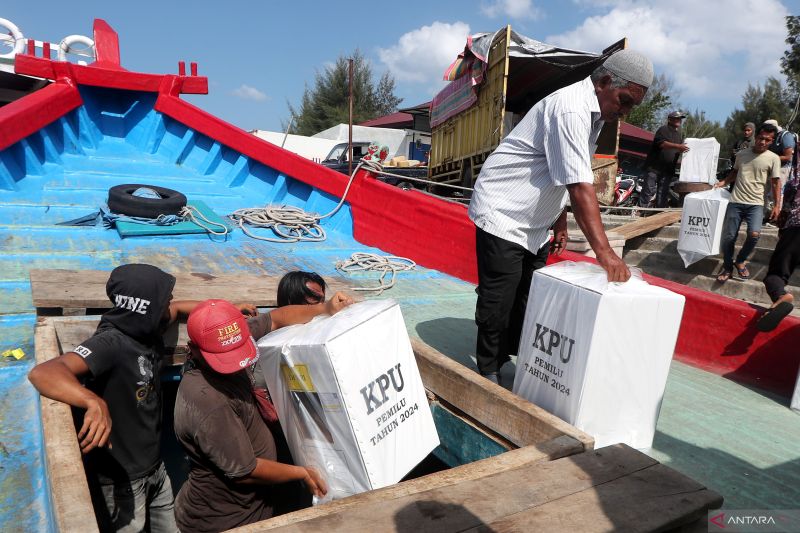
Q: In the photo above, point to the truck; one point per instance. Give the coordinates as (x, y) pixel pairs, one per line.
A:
(337, 159)
(494, 82)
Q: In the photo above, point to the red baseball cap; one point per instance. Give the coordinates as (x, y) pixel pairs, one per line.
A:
(219, 330)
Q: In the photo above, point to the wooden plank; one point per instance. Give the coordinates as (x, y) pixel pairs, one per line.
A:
(72, 504)
(474, 503)
(547, 451)
(87, 288)
(647, 224)
(503, 412)
(654, 499)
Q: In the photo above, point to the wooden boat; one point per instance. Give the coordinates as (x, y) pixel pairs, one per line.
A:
(64, 145)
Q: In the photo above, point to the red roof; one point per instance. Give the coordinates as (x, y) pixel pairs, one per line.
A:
(395, 120)
(629, 130)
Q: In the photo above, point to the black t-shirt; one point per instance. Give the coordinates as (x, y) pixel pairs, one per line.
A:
(664, 159)
(219, 426)
(126, 374)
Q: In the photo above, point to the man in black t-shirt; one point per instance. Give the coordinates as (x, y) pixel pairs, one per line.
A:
(660, 164)
(120, 366)
(234, 471)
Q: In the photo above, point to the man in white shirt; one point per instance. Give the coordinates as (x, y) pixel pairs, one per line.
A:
(522, 190)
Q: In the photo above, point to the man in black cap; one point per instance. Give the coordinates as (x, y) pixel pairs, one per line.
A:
(667, 146)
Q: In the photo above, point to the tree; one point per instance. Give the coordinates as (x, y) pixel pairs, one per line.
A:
(758, 105)
(790, 62)
(327, 103)
(660, 97)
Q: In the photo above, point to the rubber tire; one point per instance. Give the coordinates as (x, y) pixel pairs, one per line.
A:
(121, 200)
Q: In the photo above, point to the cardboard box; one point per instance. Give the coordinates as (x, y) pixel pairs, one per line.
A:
(349, 396)
(597, 354)
(701, 224)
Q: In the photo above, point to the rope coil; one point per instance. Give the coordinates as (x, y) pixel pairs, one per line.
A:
(290, 223)
(192, 214)
(387, 265)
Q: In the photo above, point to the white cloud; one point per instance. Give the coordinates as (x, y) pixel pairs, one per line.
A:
(422, 55)
(515, 9)
(246, 92)
(709, 50)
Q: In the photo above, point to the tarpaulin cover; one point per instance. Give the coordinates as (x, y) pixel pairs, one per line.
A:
(701, 224)
(699, 164)
(350, 398)
(472, 62)
(597, 354)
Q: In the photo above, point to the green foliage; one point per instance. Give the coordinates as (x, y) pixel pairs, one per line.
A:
(759, 104)
(651, 113)
(327, 104)
(790, 62)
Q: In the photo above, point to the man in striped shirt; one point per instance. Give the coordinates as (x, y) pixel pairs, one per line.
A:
(522, 190)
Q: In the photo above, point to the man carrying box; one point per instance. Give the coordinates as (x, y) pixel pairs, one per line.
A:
(523, 187)
(755, 170)
(231, 450)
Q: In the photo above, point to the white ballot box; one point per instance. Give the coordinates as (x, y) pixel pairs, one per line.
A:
(597, 354)
(701, 224)
(349, 397)
(699, 164)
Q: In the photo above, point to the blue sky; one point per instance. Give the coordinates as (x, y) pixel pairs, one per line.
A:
(259, 55)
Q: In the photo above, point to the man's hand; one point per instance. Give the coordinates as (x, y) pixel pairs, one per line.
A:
(247, 309)
(339, 301)
(720, 184)
(560, 238)
(96, 426)
(776, 214)
(314, 482)
(615, 268)
(683, 148)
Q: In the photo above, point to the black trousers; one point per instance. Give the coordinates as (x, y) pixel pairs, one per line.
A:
(505, 270)
(784, 260)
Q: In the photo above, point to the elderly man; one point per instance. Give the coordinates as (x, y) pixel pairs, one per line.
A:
(523, 187)
(661, 160)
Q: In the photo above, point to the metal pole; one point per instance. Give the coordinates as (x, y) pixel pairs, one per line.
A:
(350, 122)
(288, 127)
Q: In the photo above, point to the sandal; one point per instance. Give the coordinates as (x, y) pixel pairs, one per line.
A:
(773, 316)
(724, 276)
(742, 271)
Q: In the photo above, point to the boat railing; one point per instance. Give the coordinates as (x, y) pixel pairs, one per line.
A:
(13, 43)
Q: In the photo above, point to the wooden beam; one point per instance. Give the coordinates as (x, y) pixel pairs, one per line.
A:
(616, 484)
(69, 490)
(503, 412)
(654, 499)
(647, 224)
(87, 288)
(547, 451)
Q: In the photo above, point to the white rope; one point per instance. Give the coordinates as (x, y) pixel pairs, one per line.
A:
(421, 180)
(387, 265)
(289, 223)
(192, 214)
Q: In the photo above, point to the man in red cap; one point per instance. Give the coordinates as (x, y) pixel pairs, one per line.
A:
(234, 476)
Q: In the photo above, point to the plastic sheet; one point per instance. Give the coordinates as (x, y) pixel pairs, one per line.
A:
(350, 398)
(597, 354)
(701, 224)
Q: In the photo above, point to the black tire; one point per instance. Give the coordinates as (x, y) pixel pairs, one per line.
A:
(121, 200)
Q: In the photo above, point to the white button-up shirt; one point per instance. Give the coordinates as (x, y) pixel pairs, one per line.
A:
(521, 189)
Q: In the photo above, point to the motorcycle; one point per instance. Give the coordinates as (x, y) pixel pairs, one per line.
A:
(626, 191)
